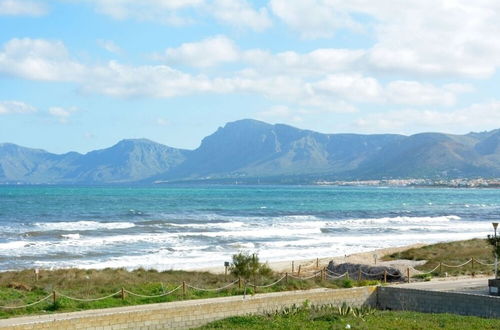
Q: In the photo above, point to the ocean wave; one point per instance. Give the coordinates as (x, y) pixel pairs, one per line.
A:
(71, 236)
(82, 225)
(401, 220)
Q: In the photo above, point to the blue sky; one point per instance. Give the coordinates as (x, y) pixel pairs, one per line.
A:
(84, 74)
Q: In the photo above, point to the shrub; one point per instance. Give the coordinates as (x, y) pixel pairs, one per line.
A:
(246, 265)
(347, 283)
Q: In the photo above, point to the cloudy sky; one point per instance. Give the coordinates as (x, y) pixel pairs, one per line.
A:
(83, 74)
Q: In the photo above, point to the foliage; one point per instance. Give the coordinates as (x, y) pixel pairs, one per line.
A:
(326, 318)
(347, 283)
(495, 243)
(20, 287)
(246, 266)
(452, 253)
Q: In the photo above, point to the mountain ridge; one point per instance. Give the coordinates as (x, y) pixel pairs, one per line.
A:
(249, 148)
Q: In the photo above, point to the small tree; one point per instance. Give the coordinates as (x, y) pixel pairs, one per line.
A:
(248, 265)
(495, 243)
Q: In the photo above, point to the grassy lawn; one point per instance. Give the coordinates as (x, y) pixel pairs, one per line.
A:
(451, 253)
(310, 319)
(19, 288)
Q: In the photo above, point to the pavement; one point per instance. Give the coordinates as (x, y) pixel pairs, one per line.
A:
(477, 285)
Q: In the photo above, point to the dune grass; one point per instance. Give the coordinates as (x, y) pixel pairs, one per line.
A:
(451, 253)
(19, 288)
(307, 319)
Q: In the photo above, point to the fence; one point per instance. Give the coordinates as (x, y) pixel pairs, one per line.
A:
(409, 270)
(322, 274)
(241, 283)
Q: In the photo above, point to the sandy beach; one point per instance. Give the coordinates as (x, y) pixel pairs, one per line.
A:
(368, 258)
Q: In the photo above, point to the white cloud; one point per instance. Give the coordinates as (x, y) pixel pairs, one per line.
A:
(318, 62)
(11, 107)
(109, 46)
(352, 86)
(298, 81)
(205, 53)
(62, 114)
(313, 18)
(280, 113)
(163, 11)
(358, 88)
(425, 37)
(415, 93)
(240, 13)
(481, 115)
(38, 59)
(22, 8)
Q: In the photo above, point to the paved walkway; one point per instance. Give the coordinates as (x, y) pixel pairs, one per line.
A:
(477, 285)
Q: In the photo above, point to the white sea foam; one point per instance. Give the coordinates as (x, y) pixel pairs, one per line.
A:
(71, 236)
(82, 225)
(223, 225)
(274, 238)
(13, 245)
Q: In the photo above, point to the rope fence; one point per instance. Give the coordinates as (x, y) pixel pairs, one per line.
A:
(323, 274)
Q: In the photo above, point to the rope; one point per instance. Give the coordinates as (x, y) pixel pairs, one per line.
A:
(394, 275)
(333, 273)
(304, 278)
(154, 296)
(342, 275)
(362, 272)
(268, 285)
(484, 263)
(28, 305)
(88, 299)
(215, 289)
(312, 263)
(458, 266)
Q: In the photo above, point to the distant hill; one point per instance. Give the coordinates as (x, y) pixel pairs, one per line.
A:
(127, 161)
(254, 149)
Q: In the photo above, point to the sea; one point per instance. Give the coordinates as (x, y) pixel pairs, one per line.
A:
(188, 227)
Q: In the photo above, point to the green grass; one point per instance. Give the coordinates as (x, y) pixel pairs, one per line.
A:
(311, 319)
(19, 288)
(451, 253)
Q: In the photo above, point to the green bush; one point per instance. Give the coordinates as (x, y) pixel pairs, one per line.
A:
(347, 283)
(246, 265)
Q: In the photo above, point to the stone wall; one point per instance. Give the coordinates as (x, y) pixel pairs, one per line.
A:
(397, 298)
(188, 314)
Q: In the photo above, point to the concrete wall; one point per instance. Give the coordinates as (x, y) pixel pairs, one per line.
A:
(397, 298)
(188, 314)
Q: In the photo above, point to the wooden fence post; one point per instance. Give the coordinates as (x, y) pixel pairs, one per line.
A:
(293, 267)
(440, 268)
(123, 293)
(184, 289)
(317, 262)
(359, 274)
(239, 282)
(299, 271)
(286, 278)
(54, 297)
(408, 274)
(385, 276)
(322, 275)
(473, 267)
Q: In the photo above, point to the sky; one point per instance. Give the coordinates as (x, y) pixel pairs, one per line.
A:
(78, 75)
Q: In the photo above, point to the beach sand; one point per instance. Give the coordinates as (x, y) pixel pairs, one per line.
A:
(367, 258)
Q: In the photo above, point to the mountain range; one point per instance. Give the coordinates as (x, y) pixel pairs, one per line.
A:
(246, 150)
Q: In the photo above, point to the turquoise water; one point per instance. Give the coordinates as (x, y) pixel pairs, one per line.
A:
(196, 226)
